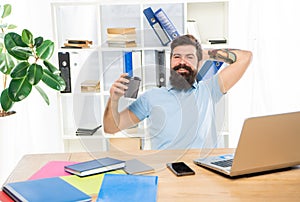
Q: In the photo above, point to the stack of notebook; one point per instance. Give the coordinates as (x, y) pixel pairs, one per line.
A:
(121, 37)
(84, 181)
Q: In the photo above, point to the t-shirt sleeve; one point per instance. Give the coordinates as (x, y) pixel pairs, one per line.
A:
(140, 107)
(214, 87)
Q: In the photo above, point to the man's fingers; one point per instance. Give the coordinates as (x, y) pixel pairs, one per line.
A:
(119, 87)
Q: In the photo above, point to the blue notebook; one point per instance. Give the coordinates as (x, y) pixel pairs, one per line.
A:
(95, 166)
(45, 189)
(133, 188)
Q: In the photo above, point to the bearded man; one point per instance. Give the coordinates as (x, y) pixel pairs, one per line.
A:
(183, 114)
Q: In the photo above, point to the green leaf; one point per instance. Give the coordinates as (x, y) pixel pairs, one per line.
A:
(45, 50)
(6, 10)
(11, 26)
(6, 102)
(19, 89)
(27, 37)
(53, 81)
(51, 67)
(1, 47)
(38, 41)
(6, 63)
(2, 63)
(12, 41)
(35, 73)
(20, 70)
(26, 52)
(43, 94)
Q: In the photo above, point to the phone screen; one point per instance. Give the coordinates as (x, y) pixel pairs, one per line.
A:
(180, 169)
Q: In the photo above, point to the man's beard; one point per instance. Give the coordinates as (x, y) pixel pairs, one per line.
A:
(182, 81)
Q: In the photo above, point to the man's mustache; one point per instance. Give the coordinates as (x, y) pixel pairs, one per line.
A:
(183, 66)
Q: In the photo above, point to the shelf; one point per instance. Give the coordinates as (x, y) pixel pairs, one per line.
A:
(74, 137)
(83, 20)
(108, 49)
(214, 46)
(129, 133)
(78, 50)
(97, 94)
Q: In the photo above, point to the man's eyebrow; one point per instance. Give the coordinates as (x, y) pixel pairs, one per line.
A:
(176, 54)
(188, 54)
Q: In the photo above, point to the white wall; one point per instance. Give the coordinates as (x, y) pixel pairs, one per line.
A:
(271, 84)
(36, 129)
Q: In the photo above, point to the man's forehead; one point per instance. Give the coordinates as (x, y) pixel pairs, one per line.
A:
(184, 50)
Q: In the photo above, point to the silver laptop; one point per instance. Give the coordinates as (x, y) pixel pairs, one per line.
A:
(266, 143)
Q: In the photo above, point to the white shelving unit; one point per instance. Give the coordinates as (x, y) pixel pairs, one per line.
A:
(89, 21)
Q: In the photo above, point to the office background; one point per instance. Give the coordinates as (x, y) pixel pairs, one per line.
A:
(270, 85)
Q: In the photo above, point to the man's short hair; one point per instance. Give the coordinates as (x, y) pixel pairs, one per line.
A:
(187, 40)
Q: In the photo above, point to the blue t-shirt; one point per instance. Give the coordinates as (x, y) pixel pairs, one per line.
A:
(180, 119)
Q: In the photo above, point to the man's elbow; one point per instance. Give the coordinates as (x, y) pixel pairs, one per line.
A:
(109, 129)
(245, 58)
(248, 56)
(106, 129)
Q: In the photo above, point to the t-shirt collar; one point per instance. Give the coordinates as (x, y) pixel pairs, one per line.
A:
(170, 87)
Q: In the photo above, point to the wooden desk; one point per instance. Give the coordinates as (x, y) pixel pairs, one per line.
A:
(204, 186)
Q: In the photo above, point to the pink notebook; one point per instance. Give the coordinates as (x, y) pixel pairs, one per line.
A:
(52, 169)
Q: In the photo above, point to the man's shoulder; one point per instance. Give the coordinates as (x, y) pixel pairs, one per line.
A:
(154, 94)
(210, 81)
(157, 90)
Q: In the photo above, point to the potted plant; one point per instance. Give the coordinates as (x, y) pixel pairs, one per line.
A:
(24, 63)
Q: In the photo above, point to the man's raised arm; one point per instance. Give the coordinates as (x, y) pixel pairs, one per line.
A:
(238, 61)
(113, 120)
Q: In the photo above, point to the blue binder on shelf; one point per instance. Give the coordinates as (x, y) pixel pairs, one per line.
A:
(156, 26)
(128, 63)
(166, 23)
(209, 69)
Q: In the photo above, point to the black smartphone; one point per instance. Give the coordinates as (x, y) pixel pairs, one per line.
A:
(180, 169)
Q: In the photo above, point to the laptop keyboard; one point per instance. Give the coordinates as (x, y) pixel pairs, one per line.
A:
(223, 163)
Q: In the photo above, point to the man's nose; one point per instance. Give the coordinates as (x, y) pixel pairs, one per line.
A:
(182, 61)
